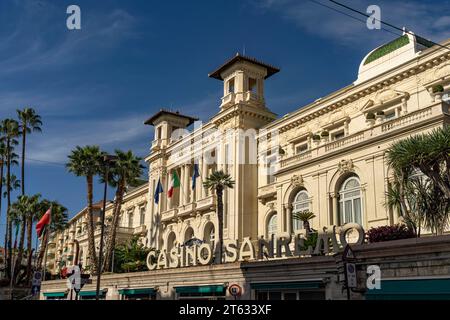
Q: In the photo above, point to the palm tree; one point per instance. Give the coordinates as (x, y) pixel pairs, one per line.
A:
(218, 181)
(131, 257)
(58, 222)
(14, 184)
(2, 166)
(85, 162)
(429, 153)
(10, 131)
(125, 172)
(304, 216)
(34, 205)
(421, 188)
(21, 209)
(29, 121)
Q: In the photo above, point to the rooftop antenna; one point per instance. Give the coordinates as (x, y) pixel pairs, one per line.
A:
(243, 50)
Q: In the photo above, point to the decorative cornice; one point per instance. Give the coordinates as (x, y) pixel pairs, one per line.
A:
(381, 84)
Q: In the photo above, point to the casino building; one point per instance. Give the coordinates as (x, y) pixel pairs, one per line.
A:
(327, 157)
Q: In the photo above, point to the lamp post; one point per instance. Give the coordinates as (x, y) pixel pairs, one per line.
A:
(107, 161)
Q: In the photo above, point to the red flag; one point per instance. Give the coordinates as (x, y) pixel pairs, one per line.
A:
(45, 220)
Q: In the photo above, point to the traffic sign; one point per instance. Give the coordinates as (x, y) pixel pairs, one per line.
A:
(235, 290)
(37, 278)
(348, 254)
(352, 280)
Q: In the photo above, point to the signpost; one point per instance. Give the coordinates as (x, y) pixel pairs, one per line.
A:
(235, 290)
(36, 282)
(76, 280)
(351, 280)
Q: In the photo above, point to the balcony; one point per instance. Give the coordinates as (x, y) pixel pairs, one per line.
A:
(186, 210)
(141, 230)
(168, 215)
(208, 203)
(267, 191)
(295, 159)
(368, 135)
(228, 99)
(251, 96)
(156, 144)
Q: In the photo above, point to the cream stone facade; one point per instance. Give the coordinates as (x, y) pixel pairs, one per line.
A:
(328, 157)
(71, 246)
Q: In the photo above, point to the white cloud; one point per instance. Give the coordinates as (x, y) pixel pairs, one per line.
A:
(422, 18)
(30, 47)
(55, 143)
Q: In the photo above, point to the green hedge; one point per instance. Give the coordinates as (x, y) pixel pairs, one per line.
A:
(387, 48)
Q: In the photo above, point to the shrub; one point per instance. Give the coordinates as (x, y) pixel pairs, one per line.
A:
(370, 116)
(380, 113)
(438, 88)
(316, 137)
(388, 233)
(325, 134)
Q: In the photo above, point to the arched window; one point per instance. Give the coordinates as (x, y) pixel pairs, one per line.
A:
(209, 234)
(171, 241)
(301, 203)
(350, 201)
(272, 226)
(189, 234)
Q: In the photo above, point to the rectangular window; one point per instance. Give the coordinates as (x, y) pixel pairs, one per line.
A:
(390, 115)
(286, 294)
(252, 85)
(130, 219)
(231, 86)
(142, 216)
(338, 135)
(271, 167)
(158, 133)
(357, 210)
(301, 148)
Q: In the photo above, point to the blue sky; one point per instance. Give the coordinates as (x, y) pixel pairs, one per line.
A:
(97, 85)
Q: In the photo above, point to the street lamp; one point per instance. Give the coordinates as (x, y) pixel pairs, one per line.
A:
(107, 161)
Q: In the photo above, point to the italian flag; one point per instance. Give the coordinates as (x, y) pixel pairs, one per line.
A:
(174, 183)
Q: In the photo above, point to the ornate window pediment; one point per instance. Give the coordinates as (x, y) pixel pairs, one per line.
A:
(384, 99)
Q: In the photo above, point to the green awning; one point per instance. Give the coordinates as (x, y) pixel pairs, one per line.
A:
(91, 293)
(287, 285)
(131, 292)
(417, 289)
(55, 294)
(201, 289)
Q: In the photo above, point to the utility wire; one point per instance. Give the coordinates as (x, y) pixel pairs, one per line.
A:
(383, 22)
(45, 161)
(349, 15)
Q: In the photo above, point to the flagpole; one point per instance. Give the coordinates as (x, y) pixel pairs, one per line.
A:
(47, 235)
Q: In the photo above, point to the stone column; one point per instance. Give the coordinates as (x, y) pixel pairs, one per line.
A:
(335, 208)
(187, 184)
(288, 219)
(404, 107)
(181, 191)
(204, 175)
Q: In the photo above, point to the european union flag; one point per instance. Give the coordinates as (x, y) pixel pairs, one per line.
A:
(159, 189)
(195, 176)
